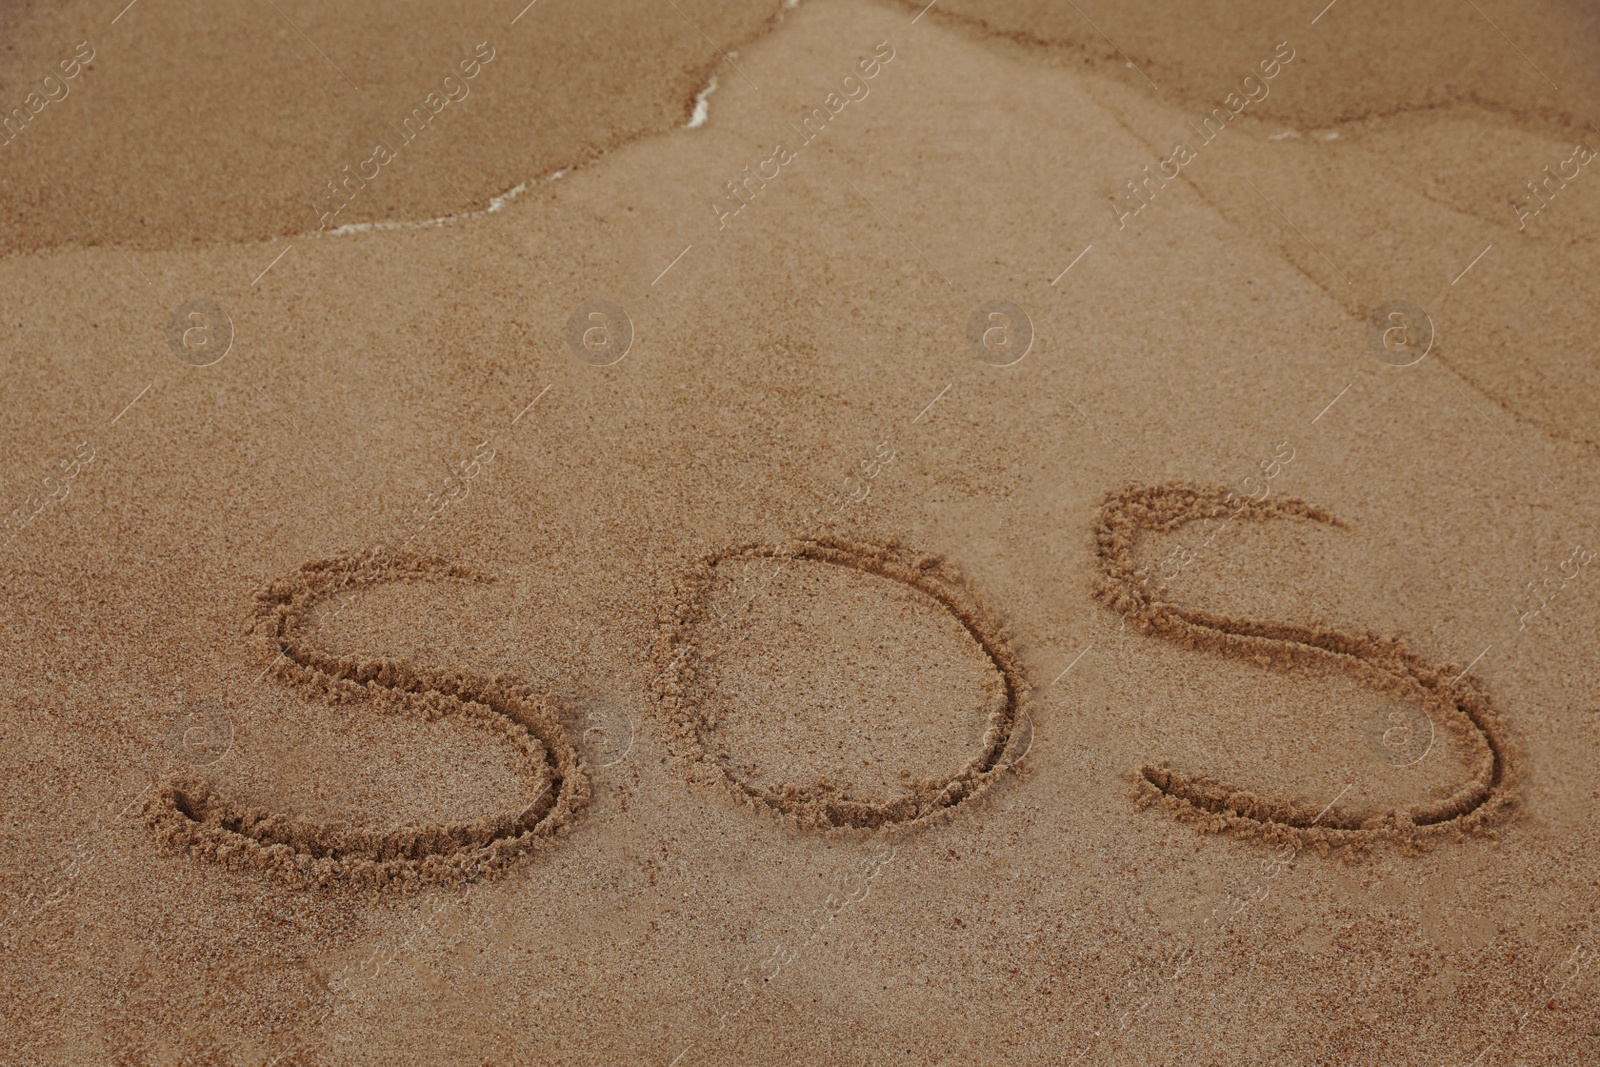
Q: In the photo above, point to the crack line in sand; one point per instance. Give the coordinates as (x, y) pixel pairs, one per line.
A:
(1113, 44)
(1531, 465)
(1385, 665)
(1301, 232)
(824, 806)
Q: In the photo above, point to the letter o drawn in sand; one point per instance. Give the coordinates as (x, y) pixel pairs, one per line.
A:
(823, 806)
(187, 813)
(1444, 693)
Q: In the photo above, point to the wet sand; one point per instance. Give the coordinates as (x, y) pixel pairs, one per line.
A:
(230, 125)
(789, 670)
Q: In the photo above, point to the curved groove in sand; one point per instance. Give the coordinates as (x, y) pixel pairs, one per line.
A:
(822, 806)
(1386, 665)
(187, 814)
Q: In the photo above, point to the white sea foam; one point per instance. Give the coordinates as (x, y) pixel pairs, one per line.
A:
(497, 203)
(701, 107)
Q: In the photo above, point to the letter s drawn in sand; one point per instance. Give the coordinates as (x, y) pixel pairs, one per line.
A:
(187, 814)
(1383, 664)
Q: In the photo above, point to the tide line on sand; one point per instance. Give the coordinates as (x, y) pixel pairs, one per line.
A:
(697, 119)
(496, 203)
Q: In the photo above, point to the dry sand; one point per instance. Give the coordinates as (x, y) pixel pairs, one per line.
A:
(395, 675)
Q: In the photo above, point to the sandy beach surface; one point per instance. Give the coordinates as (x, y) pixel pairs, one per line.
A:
(851, 533)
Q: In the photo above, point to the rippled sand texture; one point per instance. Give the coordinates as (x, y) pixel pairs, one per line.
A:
(800, 586)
